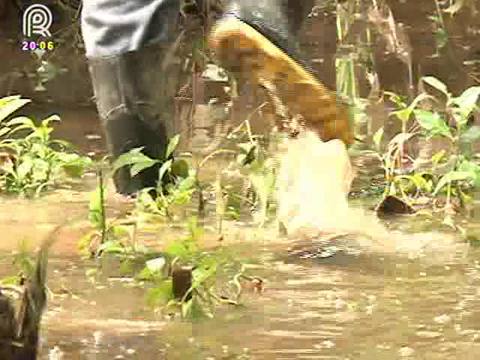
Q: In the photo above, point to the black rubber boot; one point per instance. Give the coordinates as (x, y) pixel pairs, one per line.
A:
(135, 102)
(278, 20)
(256, 41)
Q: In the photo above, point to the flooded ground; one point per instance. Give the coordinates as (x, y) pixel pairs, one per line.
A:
(357, 304)
(361, 308)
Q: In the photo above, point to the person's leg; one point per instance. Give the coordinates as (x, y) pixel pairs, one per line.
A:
(133, 82)
(256, 40)
(134, 100)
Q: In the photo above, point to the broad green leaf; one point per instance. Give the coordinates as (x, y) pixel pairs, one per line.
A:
(4, 130)
(467, 101)
(120, 231)
(473, 169)
(75, 167)
(437, 84)
(246, 147)
(41, 133)
(145, 275)
(25, 167)
(418, 181)
(46, 122)
(137, 168)
(111, 247)
(10, 280)
(129, 158)
(240, 158)
(40, 170)
(187, 184)
(172, 145)
(182, 198)
(469, 166)
(432, 123)
(134, 157)
(403, 115)
(202, 274)
(452, 177)
(164, 168)
(21, 121)
(177, 249)
(8, 105)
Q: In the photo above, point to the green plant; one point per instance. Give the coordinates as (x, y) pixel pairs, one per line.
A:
(256, 165)
(32, 161)
(176, 185)
(207, 268)
(259, 168)
(176, 181)
(108, 236)
(24, 264)
(397, 183)
(456, 112)
(445, 116)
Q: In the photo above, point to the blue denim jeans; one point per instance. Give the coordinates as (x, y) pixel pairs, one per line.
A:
(112, 27)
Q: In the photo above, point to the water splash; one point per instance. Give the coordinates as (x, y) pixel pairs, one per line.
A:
(313, 184)
(312, 194)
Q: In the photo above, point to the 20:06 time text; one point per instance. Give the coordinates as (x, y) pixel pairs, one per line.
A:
(41, 45)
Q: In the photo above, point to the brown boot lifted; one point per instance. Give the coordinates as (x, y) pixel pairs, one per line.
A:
(252, 41)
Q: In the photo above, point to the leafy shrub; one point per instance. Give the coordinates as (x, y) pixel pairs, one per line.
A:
(31, 160)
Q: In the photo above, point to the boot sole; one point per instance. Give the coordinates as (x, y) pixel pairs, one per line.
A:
(244, 50)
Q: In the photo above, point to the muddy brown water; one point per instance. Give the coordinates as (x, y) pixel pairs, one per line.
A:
(353, 305)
